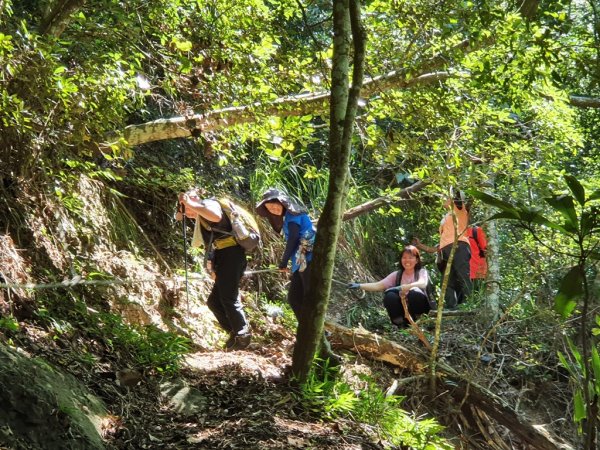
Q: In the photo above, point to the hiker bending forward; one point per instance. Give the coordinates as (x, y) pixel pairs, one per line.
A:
(410, 281)
(228, 261)
(291, 218)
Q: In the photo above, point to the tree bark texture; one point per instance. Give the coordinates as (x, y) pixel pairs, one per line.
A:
(343, 107)
(374, 347)
(492, 286)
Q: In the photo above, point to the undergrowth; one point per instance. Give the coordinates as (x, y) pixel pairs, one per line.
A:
(144, 346)
(325, 394)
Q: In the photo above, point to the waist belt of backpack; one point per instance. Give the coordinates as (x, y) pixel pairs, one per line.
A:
(224, 242)
(220, 243)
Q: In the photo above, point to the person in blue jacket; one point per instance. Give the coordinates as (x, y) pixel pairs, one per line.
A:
(287, 215)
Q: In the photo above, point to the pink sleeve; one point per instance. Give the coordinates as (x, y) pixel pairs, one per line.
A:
(390, 280)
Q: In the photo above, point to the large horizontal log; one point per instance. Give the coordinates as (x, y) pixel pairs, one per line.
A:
(297, 105)
(374, 347)
(463, 391)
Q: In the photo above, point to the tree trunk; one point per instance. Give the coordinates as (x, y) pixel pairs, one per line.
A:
(374, 347)
(343, 107)
(57, 18)
(492, 287)
(528, 9)
(297, 105)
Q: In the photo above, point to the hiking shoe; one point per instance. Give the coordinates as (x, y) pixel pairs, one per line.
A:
(400, 322)
(239, 342)
(230, 341)
(450, 304)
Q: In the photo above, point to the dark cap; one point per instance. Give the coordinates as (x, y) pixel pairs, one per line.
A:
(273, 194)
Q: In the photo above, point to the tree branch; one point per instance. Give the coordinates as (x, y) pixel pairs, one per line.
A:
(404, 194)
(584, 102)
(303, 104)
(57, 18)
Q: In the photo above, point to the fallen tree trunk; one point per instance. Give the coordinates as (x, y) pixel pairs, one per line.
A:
(493, 406)
(474, 400)
(375, 347)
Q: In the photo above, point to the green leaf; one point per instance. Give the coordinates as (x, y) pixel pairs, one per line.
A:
(596, 369)
(492, 201)
(577, 355)
(533, 216)
(588, 222)
(182, 45)
(595, 195)
(564, 204)
(570, 290)
(566, 365)
(579, 406)
(576, 188)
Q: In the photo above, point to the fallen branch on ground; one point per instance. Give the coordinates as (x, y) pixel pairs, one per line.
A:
(479, 399)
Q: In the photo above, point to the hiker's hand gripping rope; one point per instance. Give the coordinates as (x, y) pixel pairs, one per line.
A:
(354, 288)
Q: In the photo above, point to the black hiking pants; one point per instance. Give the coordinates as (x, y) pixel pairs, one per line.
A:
(460, 285)
(298, 289)
(417, 304)
(224, 299)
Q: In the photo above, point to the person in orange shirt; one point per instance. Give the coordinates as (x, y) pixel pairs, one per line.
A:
(459, 281)
(478, 242)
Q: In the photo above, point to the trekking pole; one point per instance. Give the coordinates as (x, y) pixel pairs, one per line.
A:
(183, 226)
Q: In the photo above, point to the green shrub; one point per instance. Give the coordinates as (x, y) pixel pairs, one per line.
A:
(325, 394)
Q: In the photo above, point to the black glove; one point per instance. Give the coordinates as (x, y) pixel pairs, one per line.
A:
(353, 286)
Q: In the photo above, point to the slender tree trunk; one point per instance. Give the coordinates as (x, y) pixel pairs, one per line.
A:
(590, 396)
(492, 287)
(343, 107)
(528, 9)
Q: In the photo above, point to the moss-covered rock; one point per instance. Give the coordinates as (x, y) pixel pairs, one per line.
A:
(45, 408)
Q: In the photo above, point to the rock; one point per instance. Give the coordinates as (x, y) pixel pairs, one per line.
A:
(45, 408)
(183, 398)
